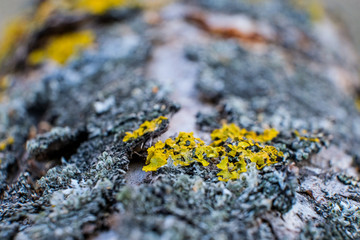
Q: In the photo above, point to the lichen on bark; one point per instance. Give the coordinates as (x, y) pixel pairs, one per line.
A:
(81, 132)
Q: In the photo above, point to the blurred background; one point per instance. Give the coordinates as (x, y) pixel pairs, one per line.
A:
(10, 9)
(345, 12)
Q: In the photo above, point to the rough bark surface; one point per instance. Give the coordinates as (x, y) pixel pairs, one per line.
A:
(69, 175)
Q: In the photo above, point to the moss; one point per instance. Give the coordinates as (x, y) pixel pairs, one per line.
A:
(64, 47)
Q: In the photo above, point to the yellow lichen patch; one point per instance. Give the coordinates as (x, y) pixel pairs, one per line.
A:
(157, 157)
(20, 28)
(4, 84)
(233, 132)
(357, 103)
(229, 170)
(146, 127)
(6, 142)
(232, 148)
(13, 34)
(314, 8)
(146, 4)
(98, 7)
(43, 12)
(183, 150)
(303, 137)
(241, 153)
(61, 48)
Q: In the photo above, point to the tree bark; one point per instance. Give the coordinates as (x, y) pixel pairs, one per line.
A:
(66, 172)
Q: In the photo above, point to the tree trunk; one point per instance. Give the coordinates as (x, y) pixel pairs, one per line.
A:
(69, 172)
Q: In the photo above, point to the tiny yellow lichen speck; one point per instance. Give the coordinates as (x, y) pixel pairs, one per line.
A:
(6, 142)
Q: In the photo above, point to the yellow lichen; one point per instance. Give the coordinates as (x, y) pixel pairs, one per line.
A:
(20, 28)
(234, 132)
(98, 7)
(61, 48)
(314, 8)
(183, 150)
(357, 103)
(4, 84)
(146, 127)
(303, 136)
(230, 170)
(43, 12)
(13, 34)
(6, 142)
(232, 148)
(156, 157)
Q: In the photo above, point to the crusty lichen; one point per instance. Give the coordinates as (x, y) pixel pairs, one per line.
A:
(232, 149)
(234, 132)
(146, 127)
(357, 103)
(98, 7)
(13, 34)
(314, 8)
(21, 27)
(4, 84)
(64, 47)
(4, 143)
(79, 199)
(303, 136)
